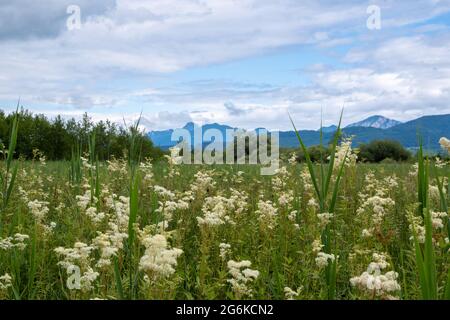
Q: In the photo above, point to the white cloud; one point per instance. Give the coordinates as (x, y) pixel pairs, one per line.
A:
(126, 41)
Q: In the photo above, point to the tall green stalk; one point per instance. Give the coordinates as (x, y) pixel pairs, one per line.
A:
(76, 166)
(94, 169)
(134, 157)
(9, 173)
(326, 203)
(425, 255)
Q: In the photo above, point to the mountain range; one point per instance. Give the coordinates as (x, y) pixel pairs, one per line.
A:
(430, 129)
(378, 122)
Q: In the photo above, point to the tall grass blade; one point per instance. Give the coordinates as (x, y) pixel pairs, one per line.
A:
(308, 161)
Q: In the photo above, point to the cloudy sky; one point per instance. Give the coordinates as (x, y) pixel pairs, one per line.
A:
(241, 62)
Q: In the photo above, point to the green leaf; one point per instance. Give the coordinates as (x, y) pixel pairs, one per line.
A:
(308, 161)
(118, 279)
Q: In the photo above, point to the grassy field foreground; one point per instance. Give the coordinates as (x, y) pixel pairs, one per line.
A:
(165, 231)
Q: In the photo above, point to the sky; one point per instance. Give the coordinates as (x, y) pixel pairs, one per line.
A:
(245, 63)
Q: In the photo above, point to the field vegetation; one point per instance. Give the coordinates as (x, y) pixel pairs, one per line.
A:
(140, 228)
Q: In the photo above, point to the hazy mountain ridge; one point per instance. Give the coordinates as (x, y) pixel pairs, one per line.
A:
(430, 128)
(378, 122)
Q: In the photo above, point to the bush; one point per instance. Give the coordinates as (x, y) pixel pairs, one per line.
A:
(379, 150)
(315, 152)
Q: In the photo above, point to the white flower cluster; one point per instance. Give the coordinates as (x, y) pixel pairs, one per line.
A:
(216, 210)
(83, 201)
(109, 244)
(293, 159)
(17, 241)
(169, 204)
(79, 257)
(414, 170)
(120, 207)
(434, 192)
(267, 213)
(306, 180)
(437, 219)
(323, 259)
(285, 198)
(373, 282)
(147, 170)
(5, 281)
(317, 246)
(86, 163)
(279, 179)
(375, 201)
(325, 218)
(224, 249)
(117, 167)
(79, 254)
(238, 200)
(439, 163)
(279, 182)
(174, 158)
(344, 152)
(241, 275)
(416, 226)
(96, 217)
(39, 209)
(290, 294)
(203, 183)
(445, 143)
(158, 260)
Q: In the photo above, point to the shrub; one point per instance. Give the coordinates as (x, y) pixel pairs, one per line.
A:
(315, 153)
(379, 150)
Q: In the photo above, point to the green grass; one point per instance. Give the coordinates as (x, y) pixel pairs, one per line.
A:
(283, 255)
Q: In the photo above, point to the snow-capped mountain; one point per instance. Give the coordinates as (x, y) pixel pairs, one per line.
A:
(378, 122)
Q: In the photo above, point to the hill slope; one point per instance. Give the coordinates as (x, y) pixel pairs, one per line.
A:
(378, 122)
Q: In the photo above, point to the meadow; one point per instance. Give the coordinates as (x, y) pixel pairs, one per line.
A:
(129, 229)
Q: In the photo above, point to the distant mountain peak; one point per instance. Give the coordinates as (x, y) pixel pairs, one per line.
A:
(331, 128)
(376, 121)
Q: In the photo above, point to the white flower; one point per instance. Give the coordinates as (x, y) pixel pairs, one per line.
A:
(224, 250)
(345, 153)
(323, 259)
(437, 218)
(174, 158)
(325, 218)
(5, 281)
(312, 203)
(109, 244)
(317, 246)
(285, 198)
(18, 241)
(158, 260)
(366, 233)
(293, 159)
(241, 278)
(87, 279)
(267, 213)
(445, 143)
(292, 215)
(290, 294)
(372, 281)
(39, 209)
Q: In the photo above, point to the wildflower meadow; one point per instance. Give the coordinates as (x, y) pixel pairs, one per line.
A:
(135, 228)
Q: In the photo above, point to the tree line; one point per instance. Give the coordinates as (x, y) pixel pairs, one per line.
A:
(57, 137)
